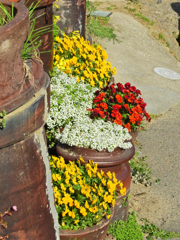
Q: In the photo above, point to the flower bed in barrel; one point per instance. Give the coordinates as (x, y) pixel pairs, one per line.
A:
(92, 120)
(84, 198)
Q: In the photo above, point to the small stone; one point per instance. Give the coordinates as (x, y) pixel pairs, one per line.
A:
(159, 1)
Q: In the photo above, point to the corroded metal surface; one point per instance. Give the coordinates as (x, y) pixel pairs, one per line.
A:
(24, 184)
(41, 3)
(26, 119)
(12, 37)
(25, 88)
(25, 172)
(72, 16)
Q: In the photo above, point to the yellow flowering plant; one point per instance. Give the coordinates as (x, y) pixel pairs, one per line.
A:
(77, 57)
(83, 195)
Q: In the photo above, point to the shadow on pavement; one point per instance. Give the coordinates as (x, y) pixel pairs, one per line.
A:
(176, 8)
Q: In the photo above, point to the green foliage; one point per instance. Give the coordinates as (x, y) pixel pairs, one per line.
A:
(142, 17)
(134, 1)
(161, 36)
(129, 230)
(90, 7)
(140, 172)
(153, 231)
(167, 44)
(125, 201)
(2, 120)
(155, 116)
(96, 28)
(97, 25)
(5, 15)
(132, 10)
(33, 42)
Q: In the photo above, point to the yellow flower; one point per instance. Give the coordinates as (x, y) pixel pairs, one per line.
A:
(81, 159)
(114, 71)
(73, 214)
(83, 211)
(108, 216)
(76, 221)
(77, 204)
(92, 83)
(86, 205)
(58, 39)
(71, 189)
(63, 187)
(113, 202)
(104, 205)
(100, 84)
(123, 191)
(109, 174)
(56, 16)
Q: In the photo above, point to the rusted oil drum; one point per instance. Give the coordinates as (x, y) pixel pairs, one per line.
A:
(25, 177)
(44, 16)
(12, 37)
(25, 172)
(72, 16)
(116, 161)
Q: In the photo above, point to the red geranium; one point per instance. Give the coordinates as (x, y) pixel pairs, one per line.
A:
(120, 104)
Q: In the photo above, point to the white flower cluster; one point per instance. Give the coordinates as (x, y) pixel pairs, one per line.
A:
(69, 103)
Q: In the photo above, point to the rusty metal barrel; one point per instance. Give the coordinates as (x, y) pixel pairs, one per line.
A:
(25, 176)
(72, 16)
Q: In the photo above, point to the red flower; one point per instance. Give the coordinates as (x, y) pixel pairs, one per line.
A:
(132, 119)
(120, 104)
(120, 87)
(128, 126)
(104, 105)
(119, 98)
(126, 106)
(113, 90)
(138, 92)
(96, 111)
(112, 85)
(119, 122)
(102, 94)
(127, 85)
(116, 107)
(111, 99)
(118, 116)
(101, 113)
(132, 88)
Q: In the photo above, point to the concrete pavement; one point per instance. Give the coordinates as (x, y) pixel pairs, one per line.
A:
(135, 58)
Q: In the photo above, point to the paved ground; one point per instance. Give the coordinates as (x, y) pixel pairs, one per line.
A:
(135, 59)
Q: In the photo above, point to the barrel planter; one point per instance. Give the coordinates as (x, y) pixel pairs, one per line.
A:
(96, 232)
(44, 16)
(72, 16)
(134, 135)
(25, 172)
(116, 161)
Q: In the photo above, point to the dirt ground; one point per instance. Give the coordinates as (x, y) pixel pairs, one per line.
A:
(163, 22)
